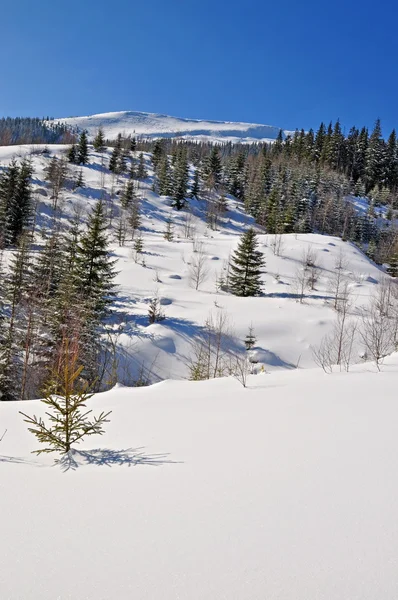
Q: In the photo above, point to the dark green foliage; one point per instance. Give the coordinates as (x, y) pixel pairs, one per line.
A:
(15, 201)
(82, 149)
(180, 179)
(80, 179)
(72, 154)
(246, 267)
(99, 141)
(195, 189)
(94, 272)
(141, 170)
(128, 194)
(212, 168)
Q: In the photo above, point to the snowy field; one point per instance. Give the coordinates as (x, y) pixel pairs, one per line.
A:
(286, 490)
(155, 126)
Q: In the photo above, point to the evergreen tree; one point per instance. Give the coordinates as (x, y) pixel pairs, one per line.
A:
(128, 194)
(141, 170)
(250, 339)
(212, 168)
(195, 189)
(180, 179)
(99, 141)
(94, 267)
(79, 183)
(72, 154)
(114, 159)
(164, 177)
(82, 149)
(246, 267)
(169, 231)
(375, 158)
(19, 212)
(8, 186)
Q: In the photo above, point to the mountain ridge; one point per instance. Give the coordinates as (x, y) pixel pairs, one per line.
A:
(158, 125)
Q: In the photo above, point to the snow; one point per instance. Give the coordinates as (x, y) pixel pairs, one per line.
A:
(285, 328)
(157, 125)
(285, 490)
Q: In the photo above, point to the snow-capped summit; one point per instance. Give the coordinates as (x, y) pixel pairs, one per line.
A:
(156, 126)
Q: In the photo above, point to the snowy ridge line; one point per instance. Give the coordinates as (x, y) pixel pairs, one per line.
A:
(158, 125)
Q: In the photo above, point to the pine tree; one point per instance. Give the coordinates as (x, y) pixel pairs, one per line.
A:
(99, 141)
(94, 267)
(134, 216)
(157, 153)
(128, 194)
(195, 189)
(164, 177)
(65, 400)
(114, 159)
(72, 153)
(82, 149)
(250, 339)
(375, 158)
(141, 170)
(79, 183)
(212, 168)
(20, 205)
(180, 179)
(169, 233)
(138, 247)
(246, 267)
(8, 186)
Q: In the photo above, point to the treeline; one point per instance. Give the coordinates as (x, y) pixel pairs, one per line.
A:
(298, 184)
(27, 130)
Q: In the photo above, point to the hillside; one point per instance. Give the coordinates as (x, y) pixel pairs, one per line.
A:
(151, 125)
(286, 329)
(285, 490)
(206, 489)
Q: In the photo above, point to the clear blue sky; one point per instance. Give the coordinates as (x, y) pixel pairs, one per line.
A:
(286, 63)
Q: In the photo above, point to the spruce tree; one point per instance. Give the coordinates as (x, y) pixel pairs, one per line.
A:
(141, 170)
(250, 339)
(72, 153)
(94, 268)
(99, 141)
(246, 266)
(114, 159)
(180, 179)
(195, 189)
(20, 206)
(82, 149)
(128, 194)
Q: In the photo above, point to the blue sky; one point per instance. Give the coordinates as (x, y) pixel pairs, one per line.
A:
(285, 63)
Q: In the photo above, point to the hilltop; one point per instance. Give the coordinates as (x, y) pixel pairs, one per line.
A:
(152, 125)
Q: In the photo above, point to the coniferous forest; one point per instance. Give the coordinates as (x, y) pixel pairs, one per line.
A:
(58, 280)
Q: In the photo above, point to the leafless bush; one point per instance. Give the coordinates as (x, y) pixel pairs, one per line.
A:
(338, 282)
(277, 244)
(198, 270)
(211, 350)
(377, 333)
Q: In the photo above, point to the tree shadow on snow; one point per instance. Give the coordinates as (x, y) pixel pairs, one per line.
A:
(108, 457)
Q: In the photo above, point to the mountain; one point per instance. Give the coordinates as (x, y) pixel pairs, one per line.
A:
(156, 126)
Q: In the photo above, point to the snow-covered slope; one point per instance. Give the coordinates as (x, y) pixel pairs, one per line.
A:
(208, 491)
(156, 126)
(285, 328)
